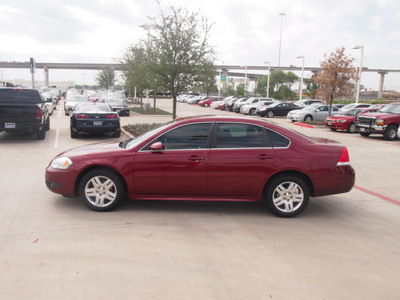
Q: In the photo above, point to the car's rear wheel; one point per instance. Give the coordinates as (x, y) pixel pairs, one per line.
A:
(101, 190)
(41, 133)
(270, 114)
(47, 126)
(74, 134)
(352, 128)
(390, 133)
(287, 196)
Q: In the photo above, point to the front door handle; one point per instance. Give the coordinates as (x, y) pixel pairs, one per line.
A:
(196, 158)
(265, 156)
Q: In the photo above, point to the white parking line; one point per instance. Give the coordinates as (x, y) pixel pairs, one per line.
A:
(57, 138)
(59, 113)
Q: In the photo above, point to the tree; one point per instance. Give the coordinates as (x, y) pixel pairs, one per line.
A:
(279, 85)
(206, 79)
(105, 78)
(311, 88)
(179, 50)
(336, 78)
(136, 68)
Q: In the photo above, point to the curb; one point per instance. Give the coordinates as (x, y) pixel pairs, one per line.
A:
(304, 125)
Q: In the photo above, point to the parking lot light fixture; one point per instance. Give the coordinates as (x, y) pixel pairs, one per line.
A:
(302, 74)
(269, 74)
(359, 71)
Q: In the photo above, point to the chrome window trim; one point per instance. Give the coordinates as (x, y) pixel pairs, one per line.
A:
(149, 143)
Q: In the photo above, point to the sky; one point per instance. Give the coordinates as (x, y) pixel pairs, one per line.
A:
(243, 33)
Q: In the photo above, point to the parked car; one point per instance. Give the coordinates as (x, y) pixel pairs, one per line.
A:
(209, 158)
(351, 106)
(231, 103)
(277, 109)
(207, 102)
(251, 100)
(346, 121)
(307, 102)
(196, 99)
(71, 100)
(118, 104)
(94, 118)
(314, 112)
(386, 122)
(49, 102)
(23, 110)
(251, 109)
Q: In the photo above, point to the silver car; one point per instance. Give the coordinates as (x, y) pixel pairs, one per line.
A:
(314, 112)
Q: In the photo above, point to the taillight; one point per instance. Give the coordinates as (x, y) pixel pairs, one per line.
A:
(344, 158)
(112, 117)
(38, 114)
(82, 116)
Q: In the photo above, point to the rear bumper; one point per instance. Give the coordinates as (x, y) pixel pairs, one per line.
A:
(20, 127)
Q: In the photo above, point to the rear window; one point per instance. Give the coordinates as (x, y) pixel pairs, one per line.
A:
(25, 96)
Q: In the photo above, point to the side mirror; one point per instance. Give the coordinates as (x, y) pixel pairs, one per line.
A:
(157, 147)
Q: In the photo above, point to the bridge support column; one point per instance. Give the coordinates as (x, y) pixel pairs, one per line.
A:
(46, 76)
(225, 84)
(381, 82)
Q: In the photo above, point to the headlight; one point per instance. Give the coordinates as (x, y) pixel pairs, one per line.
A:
(61, 163)
(380, 122)
(342, 121)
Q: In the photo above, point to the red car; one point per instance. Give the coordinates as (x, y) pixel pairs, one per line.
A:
(210, 158)
(347, 121)
(207, 102)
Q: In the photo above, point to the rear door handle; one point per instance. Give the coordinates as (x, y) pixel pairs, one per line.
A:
(195, 158)
(264, 156)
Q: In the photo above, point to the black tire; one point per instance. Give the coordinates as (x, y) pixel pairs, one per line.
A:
(270, 114)
(308, 118)
(117, 133)
(74, 134)
(41, 133)
(47, 125)
(390, 133)
(364, 134)
(352, 128)
(279, 196)
(206, 105)
(101, 190)
(333, 129)
(252, 112)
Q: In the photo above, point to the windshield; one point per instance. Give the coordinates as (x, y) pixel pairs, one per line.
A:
(115, 100)
(353, 112)
(348, 106)
(310, 107)
(393, 108)
(135, 141)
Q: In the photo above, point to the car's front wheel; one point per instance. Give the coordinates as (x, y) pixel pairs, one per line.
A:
(270, 114)
(390, 133)
(252, 112)
(308, 118)
(352, 128)
(101, 190)
(287, 196)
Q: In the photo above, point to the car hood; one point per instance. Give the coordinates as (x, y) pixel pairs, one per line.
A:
(92, 148)
(379, 115)
(340, 117)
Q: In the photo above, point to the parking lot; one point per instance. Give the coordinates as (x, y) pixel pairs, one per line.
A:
(342, 247)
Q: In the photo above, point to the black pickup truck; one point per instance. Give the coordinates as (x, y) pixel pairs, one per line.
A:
(23, 110)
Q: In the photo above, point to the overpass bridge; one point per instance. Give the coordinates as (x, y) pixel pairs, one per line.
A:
(227, 70)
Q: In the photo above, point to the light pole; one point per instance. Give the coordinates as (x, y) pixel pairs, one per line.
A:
(245, 81)
(359, 71)
(83, 81)
(269, 74)
(302, 74)
(280, 40)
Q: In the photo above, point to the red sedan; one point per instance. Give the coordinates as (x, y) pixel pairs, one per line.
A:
(206, 159)
(208, 101)
(347, 121)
